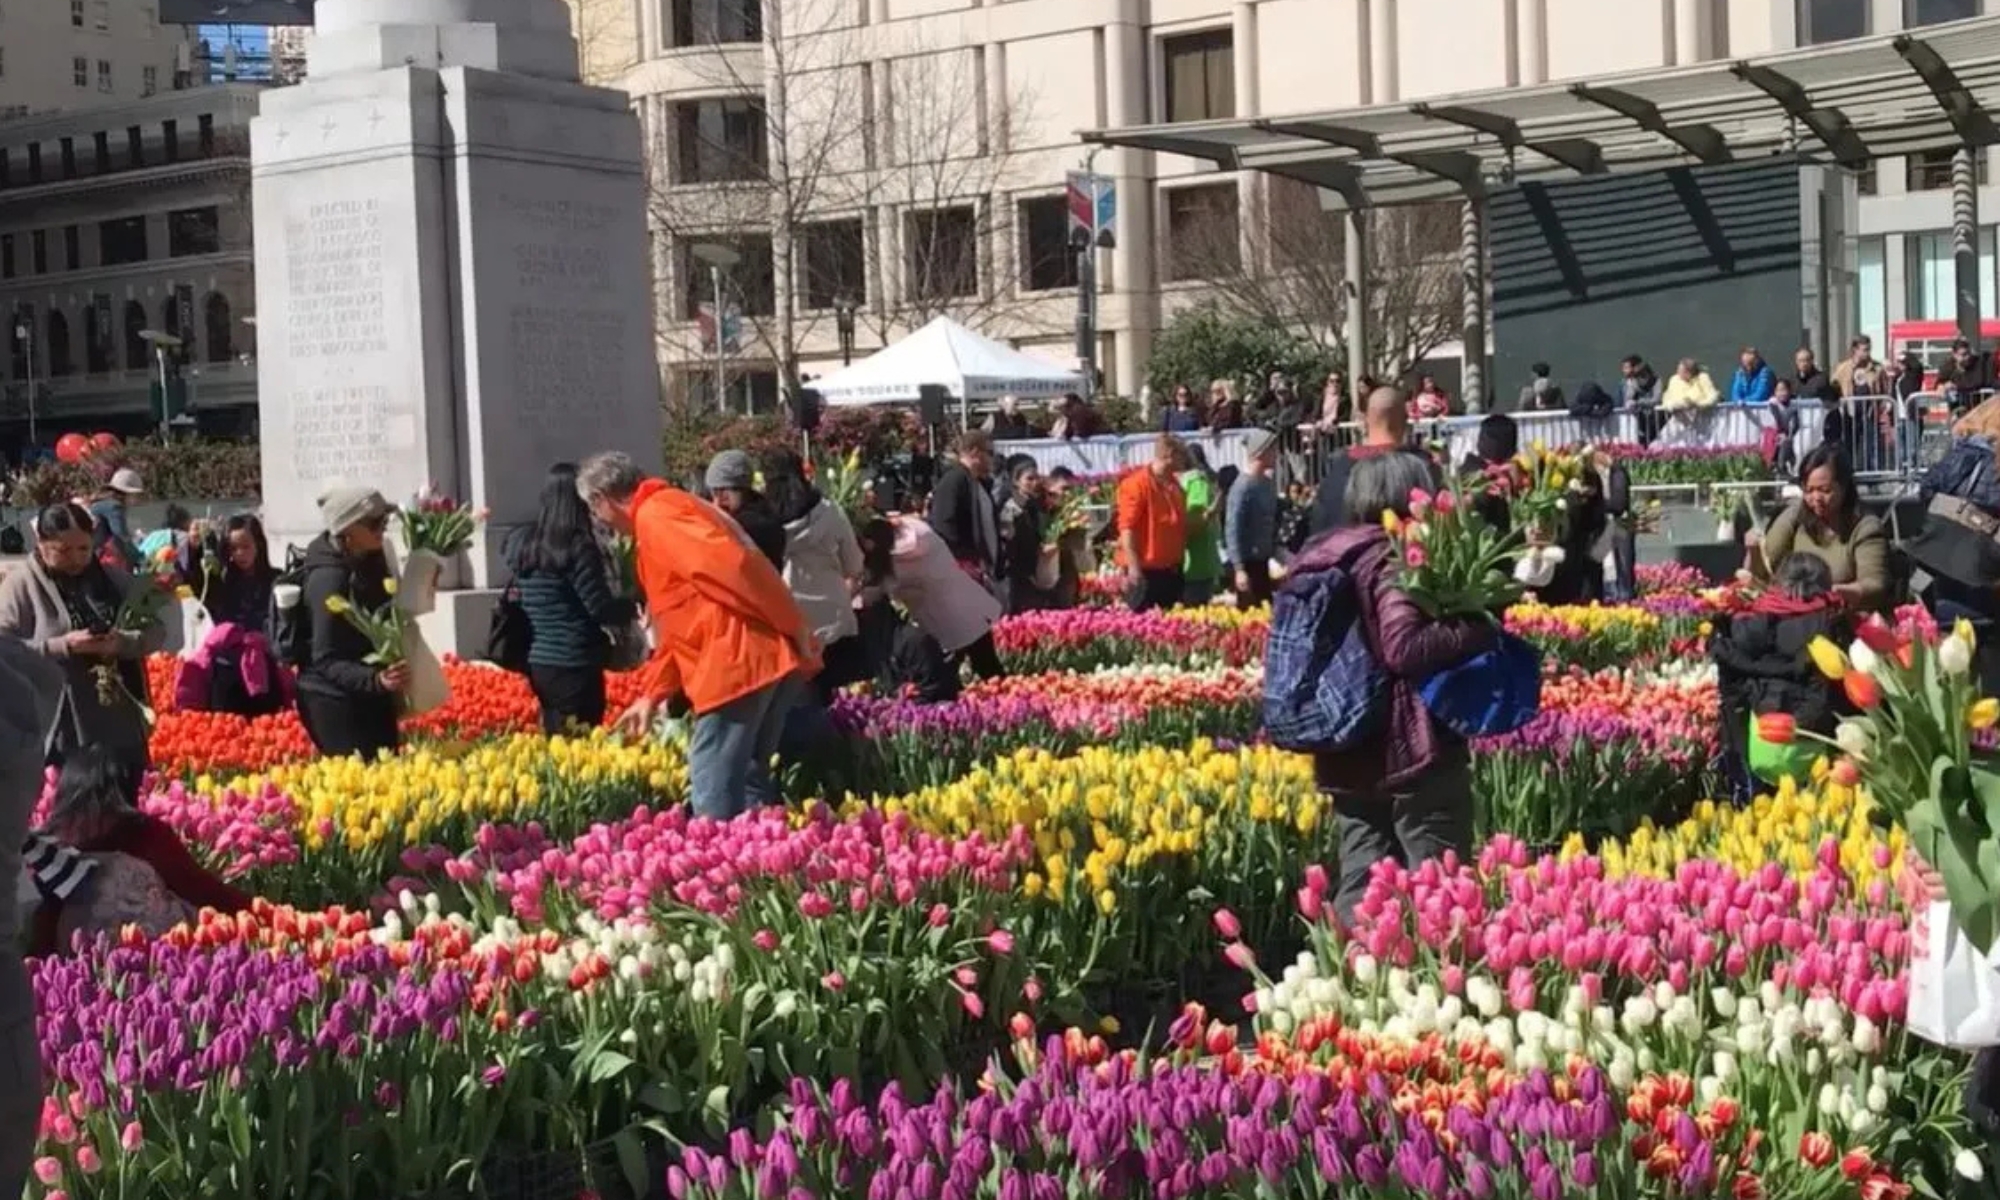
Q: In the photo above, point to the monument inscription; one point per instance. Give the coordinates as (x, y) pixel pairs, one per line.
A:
(567, 338)
(334, 260)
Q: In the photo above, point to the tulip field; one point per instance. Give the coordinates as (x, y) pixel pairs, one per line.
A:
(1069, 936)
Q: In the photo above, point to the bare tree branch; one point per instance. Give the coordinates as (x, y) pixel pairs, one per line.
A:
(1295, 273)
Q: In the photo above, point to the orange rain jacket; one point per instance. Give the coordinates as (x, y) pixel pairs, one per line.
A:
(726, 624)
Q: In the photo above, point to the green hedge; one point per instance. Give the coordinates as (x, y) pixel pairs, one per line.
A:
(180, 471)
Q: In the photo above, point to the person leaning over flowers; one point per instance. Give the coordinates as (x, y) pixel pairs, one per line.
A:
(1826, 522)
(732, 643)
(1407, 794)
(31, 689)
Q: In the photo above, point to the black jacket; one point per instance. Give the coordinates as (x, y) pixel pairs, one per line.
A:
(1975, 376)
(760, 523)
(1013, 428)
(1762, 666)
(907, 658)
(1329, 511)
(338, 648)
(569, 607)
(954, 514)
(1814, 385)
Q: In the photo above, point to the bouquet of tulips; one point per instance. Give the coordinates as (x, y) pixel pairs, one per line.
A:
(382, 627)
(1451, 561)
(139, 611)
(841, 480)
(1071, 516)
(438, 524)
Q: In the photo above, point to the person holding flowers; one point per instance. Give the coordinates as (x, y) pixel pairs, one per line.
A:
(98, 623)
(1406, 793)
(349, 700)
(1765, 674)
(1031, 569)
(822, 565)
(732, 644)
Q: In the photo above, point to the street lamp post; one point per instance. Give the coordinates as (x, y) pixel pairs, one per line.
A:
(719, 258)
(843, 322)
(26, 336)
(1086, 242)
(161, 343)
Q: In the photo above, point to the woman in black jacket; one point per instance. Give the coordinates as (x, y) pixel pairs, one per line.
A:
(565, 590)
(347, 704)
(230, 573)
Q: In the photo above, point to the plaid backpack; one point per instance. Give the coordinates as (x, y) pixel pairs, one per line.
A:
(1323, 691)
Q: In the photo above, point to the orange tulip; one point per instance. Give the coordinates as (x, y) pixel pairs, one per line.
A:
(1779, 729)
(1862, 690)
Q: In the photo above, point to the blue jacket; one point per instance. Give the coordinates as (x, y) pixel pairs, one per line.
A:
(1753, 387)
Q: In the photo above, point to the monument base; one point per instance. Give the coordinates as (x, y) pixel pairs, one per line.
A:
(460, 622)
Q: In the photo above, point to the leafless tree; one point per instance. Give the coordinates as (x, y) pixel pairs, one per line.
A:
(829, 127)
(606, 39)
(1294, 274)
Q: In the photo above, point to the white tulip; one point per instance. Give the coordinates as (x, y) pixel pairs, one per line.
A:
(1281, 1021)
(1829, 1099)
(1862, 657)
(787, 1005)
(1648, 1061)
(1954, 656)
(1621, 1073)
(1724, 1002)
(1663, 995)
(1863, 1122)
(1481, 993)
(1867, 1039)
(1967, 1162)
(1853, 738)
(1708, 1089)
(630, 1037)
(1725, 1065)
(1878, 1100)
(1364, 969)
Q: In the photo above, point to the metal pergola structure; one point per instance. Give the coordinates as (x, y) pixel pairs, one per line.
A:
(1848, 104)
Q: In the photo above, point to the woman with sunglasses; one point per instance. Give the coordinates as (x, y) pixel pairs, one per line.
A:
(347, 704)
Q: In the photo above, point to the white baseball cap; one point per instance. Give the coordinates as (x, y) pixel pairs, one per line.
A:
(126, 481)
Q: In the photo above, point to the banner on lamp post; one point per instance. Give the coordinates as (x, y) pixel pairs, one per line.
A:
(1093, 203)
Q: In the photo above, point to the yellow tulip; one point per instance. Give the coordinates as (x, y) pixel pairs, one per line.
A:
(338, 605)
(1391, 523)
(1984, 714)
(1829, 658)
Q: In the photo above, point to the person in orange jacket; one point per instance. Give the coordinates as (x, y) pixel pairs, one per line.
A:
(1152, 527)
(731, 642)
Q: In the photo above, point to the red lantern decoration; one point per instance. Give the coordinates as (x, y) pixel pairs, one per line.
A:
(71, 448)
(104, 443)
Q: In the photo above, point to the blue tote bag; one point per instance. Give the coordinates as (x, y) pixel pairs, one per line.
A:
(1494, 692)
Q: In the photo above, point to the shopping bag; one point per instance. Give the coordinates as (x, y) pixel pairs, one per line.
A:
(417, 587)
(1954, 989)
(1494, 692)
(428, 688)
(196, 626)
(1772, 761)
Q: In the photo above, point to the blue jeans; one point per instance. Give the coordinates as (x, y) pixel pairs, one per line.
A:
(730, 749)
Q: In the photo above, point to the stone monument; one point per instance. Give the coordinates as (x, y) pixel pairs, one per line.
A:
(452, 282)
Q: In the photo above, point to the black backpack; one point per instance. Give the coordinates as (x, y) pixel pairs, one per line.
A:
(291, 628)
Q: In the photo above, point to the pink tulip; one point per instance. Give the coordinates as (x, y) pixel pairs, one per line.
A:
(833, 981)
(1240, 956)
(87, 1160)
(1000, 942)
(1227, 925)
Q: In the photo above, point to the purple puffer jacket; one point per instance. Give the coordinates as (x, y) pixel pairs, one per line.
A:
(1409, 646)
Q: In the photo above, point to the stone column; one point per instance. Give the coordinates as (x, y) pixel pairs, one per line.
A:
(1965, 242)
(1359, 299)
(1472, 278)
(451, 253)
(1382, 72)
(1531, 34)
(1690, 31)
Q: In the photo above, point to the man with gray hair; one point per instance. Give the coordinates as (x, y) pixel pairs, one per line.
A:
(731, 643)
(30, 691)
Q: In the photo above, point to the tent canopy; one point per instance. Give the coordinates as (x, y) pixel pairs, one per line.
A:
(972, 367)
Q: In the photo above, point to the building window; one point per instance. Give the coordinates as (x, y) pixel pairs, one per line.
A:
(719, 141)
(76, 13)
(216, 322)
(1202, 232)
(1200, 75)
(72, 248)
(103, 74)
(100, 146)
(149, 80)
(1937, 12)
(1931, 276)
(177, 320)
(121, 242)
(101, 16)
(1823, 21)
(34, 162)
(6, 256)
(1047, 260)
(38, 250)
(193, 231)
(747, 391)
(135, 146)
(833, 257)
(749, 288)
(941, 252)
(709, 22)
(1871, 285)
(170, 139)
(79, 72)
(67, 148)
(1931, 170)
(60, 363)
(97, 335)
(138, 355)
(204, 135)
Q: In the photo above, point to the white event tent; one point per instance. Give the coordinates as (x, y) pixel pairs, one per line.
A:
(971, 367)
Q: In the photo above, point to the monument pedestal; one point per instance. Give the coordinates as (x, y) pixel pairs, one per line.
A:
(452, 266)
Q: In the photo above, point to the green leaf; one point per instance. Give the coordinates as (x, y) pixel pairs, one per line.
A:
(608, 1065)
